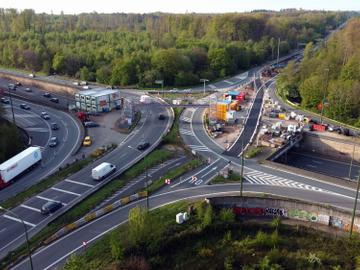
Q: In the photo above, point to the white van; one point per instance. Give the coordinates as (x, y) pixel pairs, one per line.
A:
(102, 170)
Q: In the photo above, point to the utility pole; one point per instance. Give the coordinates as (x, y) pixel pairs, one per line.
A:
(324, 94)
(242, 169)
(355, 204)
(26, 234)
(12, 107)
(351, 162)
(204, 81)
(278, 53)
(146, 185)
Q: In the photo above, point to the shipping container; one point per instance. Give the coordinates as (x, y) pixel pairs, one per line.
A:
(19, 164)
(317, 127)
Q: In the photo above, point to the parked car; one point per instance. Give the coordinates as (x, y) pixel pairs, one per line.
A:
(28, 89)
(5, 100)
(18, 84)
(32, 75)
(24, 106)
(54, 126)
(76, 83)
(161, 117)
(47, 95)
(50, 207)
(143, 146)
(91, 124)
(87, 141)
(54, 99)
(53, 142)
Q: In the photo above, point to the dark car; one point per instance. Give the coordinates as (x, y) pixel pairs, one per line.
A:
(161, 117)
(18, 84)
(50, 207)
(47, 95)
(12, 86)
(143, 146)
(54, 99)
(91, 124)
(24, 106)
(54, 126)
(5, 100)
(45, 116)
(53, 142)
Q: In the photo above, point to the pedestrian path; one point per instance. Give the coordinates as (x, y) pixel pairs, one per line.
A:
(260, 178)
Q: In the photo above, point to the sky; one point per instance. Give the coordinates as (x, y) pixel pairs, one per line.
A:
(171, 6)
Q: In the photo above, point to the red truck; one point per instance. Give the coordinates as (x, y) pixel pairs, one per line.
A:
(318, 127)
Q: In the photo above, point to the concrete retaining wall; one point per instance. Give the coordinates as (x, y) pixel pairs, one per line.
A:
(340, 149)
(288, 208)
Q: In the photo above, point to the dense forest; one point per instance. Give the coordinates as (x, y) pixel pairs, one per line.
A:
(328, 76)
(137, 49)
(11, 142)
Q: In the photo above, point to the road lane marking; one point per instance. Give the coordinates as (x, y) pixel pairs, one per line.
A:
(228, 82)
(79, 183)
(19, 220)
(31, 208)
(65, 191)
(49, 200)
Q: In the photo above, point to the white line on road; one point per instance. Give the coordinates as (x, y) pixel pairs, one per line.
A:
(31, 208)
(19, 220)
(65, 191)
(228, 82)
(49, 200)
(79, 183)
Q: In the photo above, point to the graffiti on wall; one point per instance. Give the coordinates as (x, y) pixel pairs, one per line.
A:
(343, 224)
(309, 216)
(259, 211)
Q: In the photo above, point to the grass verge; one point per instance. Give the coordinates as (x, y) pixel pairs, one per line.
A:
(219, 179)
(174, 173)
(81, 209)
(253, 151)
(173, 137)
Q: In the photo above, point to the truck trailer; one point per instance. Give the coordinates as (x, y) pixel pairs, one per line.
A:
(19, 164)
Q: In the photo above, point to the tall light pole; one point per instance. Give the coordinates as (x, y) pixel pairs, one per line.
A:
(324, 94)
(12, 107)
(26, 234)
(242, 169)
(278, 53)
(352, 160)
(355, 204)
(162, 85)
(204, 81)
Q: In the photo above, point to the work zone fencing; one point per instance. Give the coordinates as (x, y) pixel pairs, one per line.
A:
(94, 215)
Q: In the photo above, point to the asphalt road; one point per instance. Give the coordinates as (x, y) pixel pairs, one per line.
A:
(55, 255)
(40, 131)
(80, 184)
(328, 166)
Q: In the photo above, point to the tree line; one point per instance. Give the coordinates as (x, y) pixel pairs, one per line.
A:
(328, 76)
(137, 49)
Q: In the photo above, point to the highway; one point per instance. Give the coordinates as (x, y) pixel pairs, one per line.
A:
(55, 254)
(40, 131)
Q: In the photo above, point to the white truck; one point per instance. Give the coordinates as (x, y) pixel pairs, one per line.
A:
(102, 170)
(145, 99)
(19, 164)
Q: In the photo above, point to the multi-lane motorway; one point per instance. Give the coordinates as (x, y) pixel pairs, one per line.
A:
(40, 132)
(79, 185)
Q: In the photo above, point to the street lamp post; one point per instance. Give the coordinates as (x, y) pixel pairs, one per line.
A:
(26, 234)
(204, 81)
(242, 169)
(324, 94)
(278, 53)
(12, 107)
(355, 204)
(352, 160)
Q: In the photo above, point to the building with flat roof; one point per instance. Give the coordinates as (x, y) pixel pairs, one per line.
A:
(98, 100)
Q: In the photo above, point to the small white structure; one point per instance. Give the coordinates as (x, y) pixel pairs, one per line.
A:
(145, 99)
(98, 100)
(179, 218)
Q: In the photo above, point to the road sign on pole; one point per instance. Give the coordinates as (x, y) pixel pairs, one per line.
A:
(167, 181)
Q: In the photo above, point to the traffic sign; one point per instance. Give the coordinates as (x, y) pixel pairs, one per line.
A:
(167, 181)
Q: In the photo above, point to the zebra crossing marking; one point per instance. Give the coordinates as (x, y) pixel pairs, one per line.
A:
(186, 132)
(199, 148)
(256, 177)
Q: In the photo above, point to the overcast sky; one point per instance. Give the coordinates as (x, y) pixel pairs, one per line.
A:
(178, 6)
